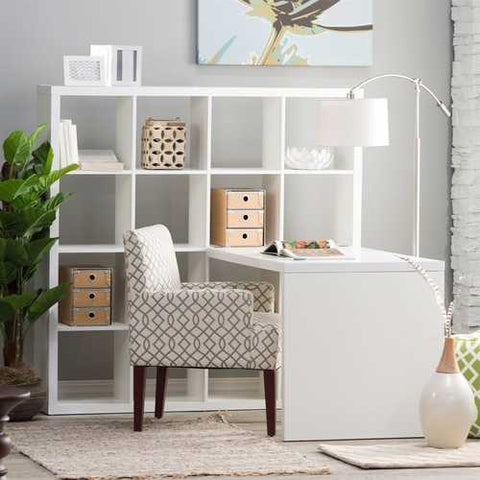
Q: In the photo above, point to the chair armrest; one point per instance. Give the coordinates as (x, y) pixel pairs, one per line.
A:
(263, 292)
(206, 328)
(267, 338)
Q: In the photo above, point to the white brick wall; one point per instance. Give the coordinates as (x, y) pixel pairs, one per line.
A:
(466, 163)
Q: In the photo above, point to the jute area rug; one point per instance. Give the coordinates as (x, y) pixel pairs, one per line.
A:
(107, 448)
(412, 454)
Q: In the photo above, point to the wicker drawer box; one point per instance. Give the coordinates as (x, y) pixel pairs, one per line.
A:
(88, 301)
(237, 218)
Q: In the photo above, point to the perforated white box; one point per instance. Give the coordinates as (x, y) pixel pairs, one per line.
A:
(83, 70)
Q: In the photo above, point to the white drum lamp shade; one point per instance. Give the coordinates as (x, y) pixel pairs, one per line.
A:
(353, 123)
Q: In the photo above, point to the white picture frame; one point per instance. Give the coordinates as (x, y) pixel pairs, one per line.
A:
(123, 63)
(84, 70)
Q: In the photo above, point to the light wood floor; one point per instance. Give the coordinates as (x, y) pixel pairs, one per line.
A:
(21, 468)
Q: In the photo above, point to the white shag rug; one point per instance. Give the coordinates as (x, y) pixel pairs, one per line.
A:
(411, 454)
(107, 448)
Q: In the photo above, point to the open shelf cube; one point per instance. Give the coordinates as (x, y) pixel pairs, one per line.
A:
(247, 132)
(326, 202)
(179, 202)
(103, 124)
(194, 111)
(273, 184)
(85, 379)
(116, 262)
(302, 116)
(99, 211)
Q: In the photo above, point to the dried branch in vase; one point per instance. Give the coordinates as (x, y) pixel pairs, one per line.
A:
(447, 314)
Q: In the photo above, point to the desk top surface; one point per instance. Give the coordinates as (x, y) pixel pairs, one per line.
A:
(365, 260)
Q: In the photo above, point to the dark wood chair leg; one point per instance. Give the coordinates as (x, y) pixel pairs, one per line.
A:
(160, 391)
(270, 400)
(139, 377)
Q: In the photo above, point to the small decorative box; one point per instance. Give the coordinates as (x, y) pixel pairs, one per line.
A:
(237, 218)
(88, 301)
(163, 144)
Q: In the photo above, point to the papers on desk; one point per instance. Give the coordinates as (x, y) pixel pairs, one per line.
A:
(307, 251)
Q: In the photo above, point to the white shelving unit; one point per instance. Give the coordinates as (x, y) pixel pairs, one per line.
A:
(225, 147)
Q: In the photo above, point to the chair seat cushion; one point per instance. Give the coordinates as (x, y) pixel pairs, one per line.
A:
(266, 341)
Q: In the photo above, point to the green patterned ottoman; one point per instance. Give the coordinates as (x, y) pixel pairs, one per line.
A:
(467, 349)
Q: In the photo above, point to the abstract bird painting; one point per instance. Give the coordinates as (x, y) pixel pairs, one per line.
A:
(285, 32)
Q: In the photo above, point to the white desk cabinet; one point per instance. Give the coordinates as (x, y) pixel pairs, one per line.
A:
(360, 340)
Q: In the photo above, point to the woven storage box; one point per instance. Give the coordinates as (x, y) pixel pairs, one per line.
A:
(163, 144)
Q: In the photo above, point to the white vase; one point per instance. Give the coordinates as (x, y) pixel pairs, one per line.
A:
(447, 404)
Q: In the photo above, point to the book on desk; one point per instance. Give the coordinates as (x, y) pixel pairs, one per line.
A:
(307, 250)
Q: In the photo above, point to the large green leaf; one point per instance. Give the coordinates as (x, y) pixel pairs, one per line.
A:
(46, 300)
(40, 222)
(36, 249)
(16, 148)
(19, 301)
(9, 189)
(43, 158)
(26, 222)
(34, 136)
(54, 202)
(49, 179)
(15, 252)
(11, 223)
(9, 304)
(8, 273)
(37, 185)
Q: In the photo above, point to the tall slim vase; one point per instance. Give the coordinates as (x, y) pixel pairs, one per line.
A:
(447, 404)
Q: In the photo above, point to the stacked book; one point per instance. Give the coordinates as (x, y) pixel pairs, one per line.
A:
(90, 160)
(99, 160)
(68, 143)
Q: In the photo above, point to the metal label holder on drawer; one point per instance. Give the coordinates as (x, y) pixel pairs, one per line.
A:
(234, 210)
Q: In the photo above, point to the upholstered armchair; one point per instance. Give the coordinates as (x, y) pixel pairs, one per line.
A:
(193, 325)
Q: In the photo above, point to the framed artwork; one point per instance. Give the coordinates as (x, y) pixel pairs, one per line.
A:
(285, 32)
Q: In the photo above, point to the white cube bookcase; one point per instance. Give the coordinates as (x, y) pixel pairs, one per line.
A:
(237, 137)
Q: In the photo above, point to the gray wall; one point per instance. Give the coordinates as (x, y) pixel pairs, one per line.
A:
(410, 36)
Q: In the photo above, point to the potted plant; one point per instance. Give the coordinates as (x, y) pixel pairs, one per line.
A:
(26, 214)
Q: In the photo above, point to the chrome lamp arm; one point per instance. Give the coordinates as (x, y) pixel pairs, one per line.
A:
(416, 81)
(419, 86)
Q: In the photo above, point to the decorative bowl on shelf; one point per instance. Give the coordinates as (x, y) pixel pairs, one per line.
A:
(305, 159)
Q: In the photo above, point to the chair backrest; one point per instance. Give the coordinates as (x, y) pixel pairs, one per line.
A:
(150, 260)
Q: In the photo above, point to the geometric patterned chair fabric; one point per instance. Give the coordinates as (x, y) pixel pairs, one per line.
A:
(194, 325)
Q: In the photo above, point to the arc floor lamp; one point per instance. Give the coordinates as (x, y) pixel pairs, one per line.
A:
(363, 122)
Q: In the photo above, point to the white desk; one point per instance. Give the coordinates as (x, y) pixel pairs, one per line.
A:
(361, 337)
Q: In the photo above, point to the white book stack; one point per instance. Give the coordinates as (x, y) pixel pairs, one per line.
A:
(68, 143)
(99, 160)
(91, 160)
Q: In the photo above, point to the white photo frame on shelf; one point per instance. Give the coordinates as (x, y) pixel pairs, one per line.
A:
(123, 63)
(84, 70)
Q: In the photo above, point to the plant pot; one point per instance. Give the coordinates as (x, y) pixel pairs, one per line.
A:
(447, 405)
(31, 407)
